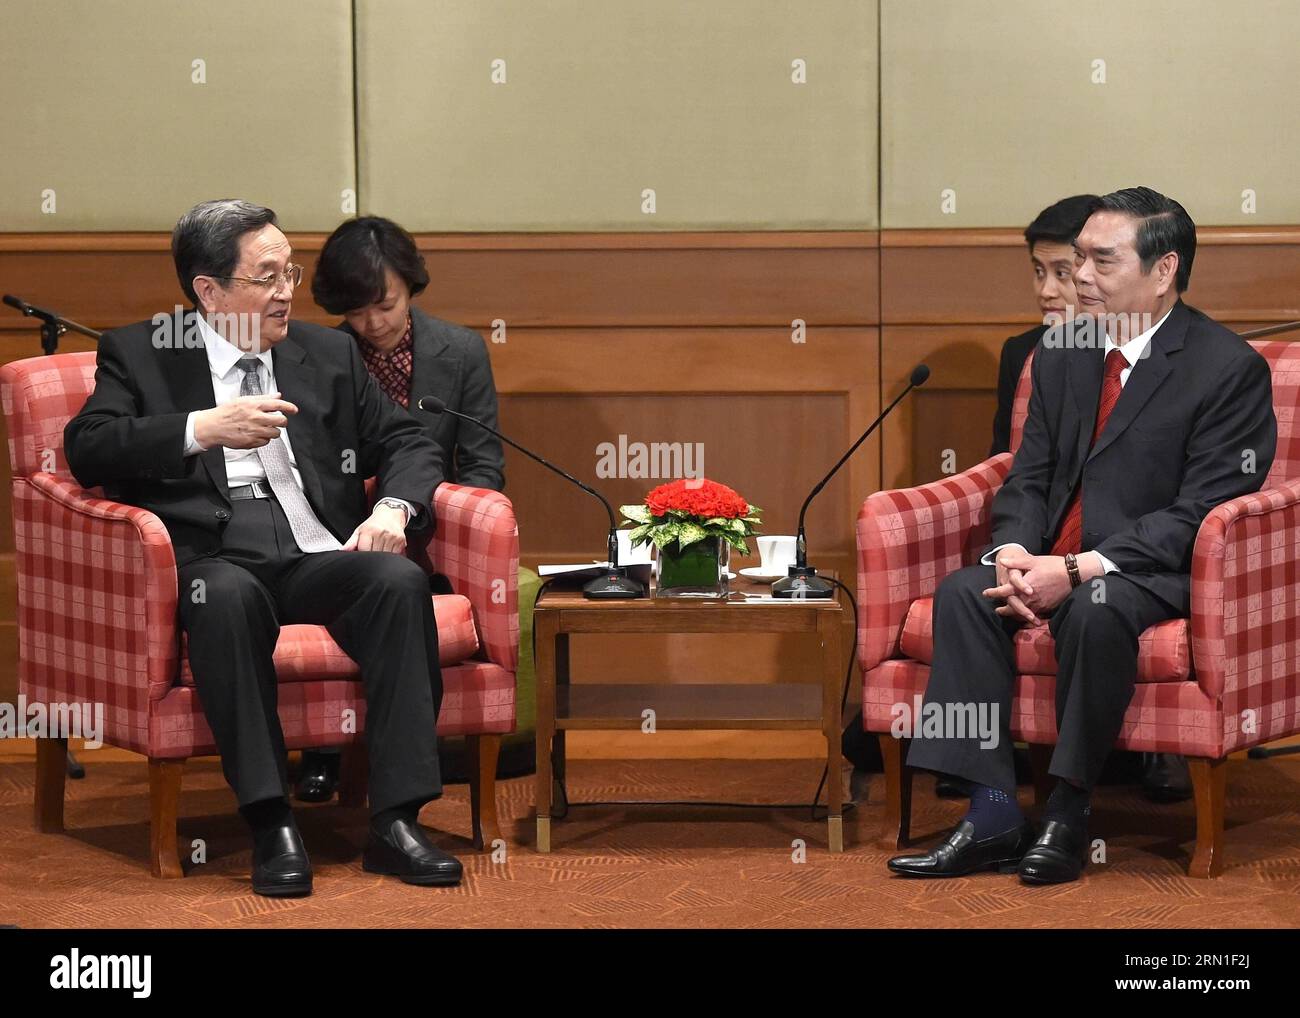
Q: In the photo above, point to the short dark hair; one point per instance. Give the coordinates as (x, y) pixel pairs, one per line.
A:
(1060, 223)
(1163, 226)
(351, 268)
(205, 241)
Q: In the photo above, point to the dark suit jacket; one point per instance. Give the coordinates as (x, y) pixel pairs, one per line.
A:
(1015, 351)
(451, 362)
(130, 435)
(1171, 451)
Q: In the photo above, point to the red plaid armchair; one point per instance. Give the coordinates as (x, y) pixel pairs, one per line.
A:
(1221, 681)
(97, 623)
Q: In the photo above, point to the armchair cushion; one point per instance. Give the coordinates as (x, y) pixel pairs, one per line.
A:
(1164, 650)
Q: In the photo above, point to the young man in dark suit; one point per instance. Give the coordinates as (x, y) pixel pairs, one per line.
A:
(1144, 415)
(251, 437)
(1050, 239)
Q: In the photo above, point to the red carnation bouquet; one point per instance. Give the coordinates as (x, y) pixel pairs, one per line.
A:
(692, 510)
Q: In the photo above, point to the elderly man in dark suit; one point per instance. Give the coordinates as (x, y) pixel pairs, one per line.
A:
(251, 437)
(1144, 414)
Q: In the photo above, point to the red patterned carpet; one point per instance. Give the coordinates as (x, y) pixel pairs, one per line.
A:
(636, 867)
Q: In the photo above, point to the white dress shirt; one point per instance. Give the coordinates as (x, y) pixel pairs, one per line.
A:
(1134, 350)
(242, 465)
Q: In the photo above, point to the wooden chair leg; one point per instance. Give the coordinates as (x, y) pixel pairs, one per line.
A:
(1040, 759)
(164, 807)
(898, 791)
(354, 775)
(482, 751)
(1209, 787)
(51, 773)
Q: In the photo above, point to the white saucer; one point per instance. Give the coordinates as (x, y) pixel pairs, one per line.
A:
(756, 573)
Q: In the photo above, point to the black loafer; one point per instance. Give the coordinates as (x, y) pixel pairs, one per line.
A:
(318, 776)
(281, 868)
(960, 853)
(403, 850)
(1057, 857)
(1166, 778)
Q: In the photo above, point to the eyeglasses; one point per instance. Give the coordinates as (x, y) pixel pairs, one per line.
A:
(292, 275)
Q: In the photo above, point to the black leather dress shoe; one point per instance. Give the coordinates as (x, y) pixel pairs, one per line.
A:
(1057, 857)
(403, 850)
(1166, 778)
(960, 853)
(318, 776)
(281, 868)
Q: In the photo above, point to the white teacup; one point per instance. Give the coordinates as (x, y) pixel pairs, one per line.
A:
(629, 556)
(775, 555)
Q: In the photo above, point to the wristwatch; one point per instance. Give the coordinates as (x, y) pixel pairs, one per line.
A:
(397, 503)
(1072, 567)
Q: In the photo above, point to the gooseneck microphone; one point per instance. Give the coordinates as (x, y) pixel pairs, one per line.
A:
(803, 580)
(615, 582)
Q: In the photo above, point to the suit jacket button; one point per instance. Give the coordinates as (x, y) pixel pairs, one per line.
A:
(222, 514)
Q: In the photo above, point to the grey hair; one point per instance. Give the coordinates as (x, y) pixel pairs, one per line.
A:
(205, 241)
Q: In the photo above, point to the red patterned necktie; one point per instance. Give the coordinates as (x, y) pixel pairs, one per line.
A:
(1070, 537)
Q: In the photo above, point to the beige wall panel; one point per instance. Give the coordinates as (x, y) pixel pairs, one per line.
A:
(99, 105)
(602, 100)
(995, 100)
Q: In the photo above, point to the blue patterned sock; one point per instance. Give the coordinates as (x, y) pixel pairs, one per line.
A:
(993, 812)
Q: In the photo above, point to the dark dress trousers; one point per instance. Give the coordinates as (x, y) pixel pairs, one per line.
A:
(451, 362)
(1193, 427)
(129, 437)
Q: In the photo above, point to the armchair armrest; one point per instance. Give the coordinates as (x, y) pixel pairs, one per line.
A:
(1245, 652)
(97, 601)
(911, 538)
(476, 546)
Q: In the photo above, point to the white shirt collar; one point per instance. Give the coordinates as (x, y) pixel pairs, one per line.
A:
(223, 355)
(1136, 347)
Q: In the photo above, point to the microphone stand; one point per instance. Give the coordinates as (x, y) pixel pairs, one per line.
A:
(52, 325)
(802, 580)
(615, 583)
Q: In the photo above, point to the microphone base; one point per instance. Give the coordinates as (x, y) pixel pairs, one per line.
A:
(803, 583)
(614, 585)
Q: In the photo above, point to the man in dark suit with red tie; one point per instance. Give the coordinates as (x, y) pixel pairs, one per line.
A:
(1144, 415)
(251, 437)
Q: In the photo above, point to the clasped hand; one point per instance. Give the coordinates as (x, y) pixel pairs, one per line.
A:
(1030, 585)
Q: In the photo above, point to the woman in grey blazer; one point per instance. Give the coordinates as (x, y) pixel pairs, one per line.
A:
(369, 271)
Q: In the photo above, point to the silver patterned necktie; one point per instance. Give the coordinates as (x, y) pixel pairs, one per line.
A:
(308, 530)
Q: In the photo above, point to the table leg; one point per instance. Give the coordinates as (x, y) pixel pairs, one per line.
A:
(828, 628)
(559, 757)
(545, 624)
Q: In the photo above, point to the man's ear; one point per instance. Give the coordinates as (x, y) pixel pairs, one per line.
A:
(205, 288)
(1166, 270)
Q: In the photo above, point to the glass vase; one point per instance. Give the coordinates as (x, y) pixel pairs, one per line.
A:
(698, 570)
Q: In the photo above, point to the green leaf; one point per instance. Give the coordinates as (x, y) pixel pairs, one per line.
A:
(641, 535)
(636, 513)
(688, 533)
(664, 535)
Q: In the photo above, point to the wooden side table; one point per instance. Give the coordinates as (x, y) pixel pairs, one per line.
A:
(562, 707)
